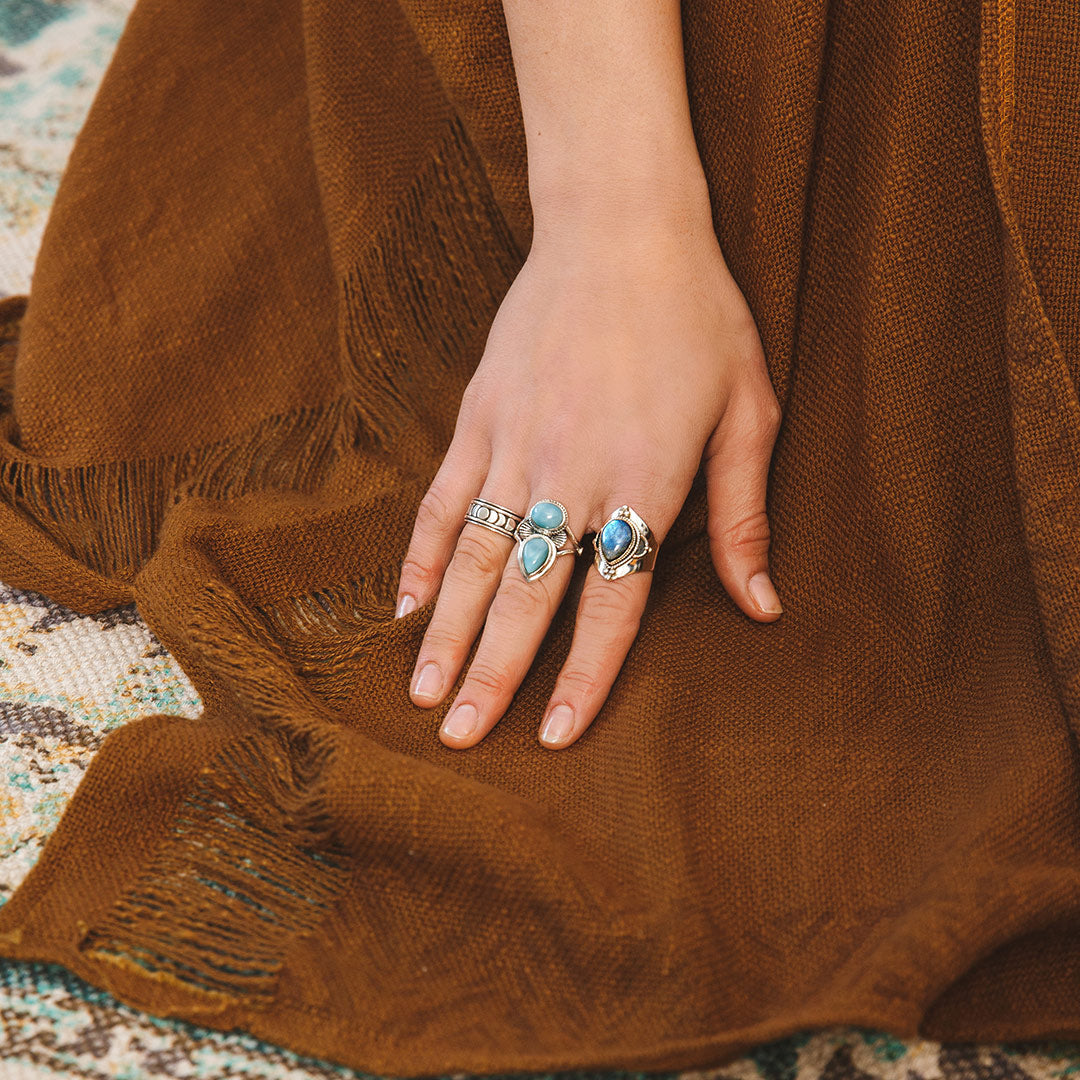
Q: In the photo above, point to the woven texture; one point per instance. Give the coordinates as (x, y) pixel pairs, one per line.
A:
(237, 373)
(68, 680)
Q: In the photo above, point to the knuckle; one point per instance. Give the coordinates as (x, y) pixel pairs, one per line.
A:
(443, 639)
(417, 574)
(519, 601)
(750, 533)
(639, 474)
(475, 558)
(743, 328)
(608, 605)
(472, 398)
(578, 684)
(774, 414)
(488, 681)
(555, 457)
(763, 417)
(434, 512)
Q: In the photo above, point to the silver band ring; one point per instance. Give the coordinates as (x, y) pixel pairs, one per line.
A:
(624, 545)
(541, 535)
(492, 516)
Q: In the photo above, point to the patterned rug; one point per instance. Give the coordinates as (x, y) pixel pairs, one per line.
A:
(52, 56)
(67, 680)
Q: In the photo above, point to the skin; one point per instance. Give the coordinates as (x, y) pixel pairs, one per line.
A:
(622, 357)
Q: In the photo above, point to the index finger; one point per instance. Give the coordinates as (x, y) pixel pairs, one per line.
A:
(438, 522)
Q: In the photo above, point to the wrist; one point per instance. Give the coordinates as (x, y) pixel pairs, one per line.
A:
(587, 206)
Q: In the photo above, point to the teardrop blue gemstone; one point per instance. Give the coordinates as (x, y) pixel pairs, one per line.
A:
(534, 554)
(615, 538)
(546, 515)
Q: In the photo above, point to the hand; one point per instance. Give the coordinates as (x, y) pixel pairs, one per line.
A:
(615, 363)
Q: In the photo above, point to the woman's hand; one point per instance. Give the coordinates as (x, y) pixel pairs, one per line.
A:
(621, 354)
(618, 359)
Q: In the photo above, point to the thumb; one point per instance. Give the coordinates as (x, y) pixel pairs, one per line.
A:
(737, 460)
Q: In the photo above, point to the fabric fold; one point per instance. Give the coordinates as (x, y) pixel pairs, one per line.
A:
(239, 369)
(1045, 406)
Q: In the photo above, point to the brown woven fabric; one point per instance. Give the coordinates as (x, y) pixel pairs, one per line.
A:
(269, 273)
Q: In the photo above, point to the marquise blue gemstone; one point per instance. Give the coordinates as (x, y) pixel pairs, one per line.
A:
(546, 515)
(534, 553)
(615, 538)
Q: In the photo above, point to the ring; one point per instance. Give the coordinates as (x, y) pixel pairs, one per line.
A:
(493, 516)
(540, 538)
(624, 545)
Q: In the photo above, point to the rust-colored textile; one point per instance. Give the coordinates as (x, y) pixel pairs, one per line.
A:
(268, 276)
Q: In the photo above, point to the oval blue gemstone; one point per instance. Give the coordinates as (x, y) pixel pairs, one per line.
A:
(546, 515)
(615, 538)
(534, 553)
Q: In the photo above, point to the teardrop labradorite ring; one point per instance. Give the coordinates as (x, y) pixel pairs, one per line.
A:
(541, 536)
(624, 545)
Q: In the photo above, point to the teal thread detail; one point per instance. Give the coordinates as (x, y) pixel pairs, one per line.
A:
(886, 1047)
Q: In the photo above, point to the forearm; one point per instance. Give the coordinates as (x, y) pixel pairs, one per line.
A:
(605, 109)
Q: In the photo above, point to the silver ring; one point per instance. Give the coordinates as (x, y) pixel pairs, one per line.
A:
(624, 545)
(541, 535)
(493, 516)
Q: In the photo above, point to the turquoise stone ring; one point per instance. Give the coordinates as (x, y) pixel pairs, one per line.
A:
(624, 544)
(548, 516)
(541, 535)
(537, 554)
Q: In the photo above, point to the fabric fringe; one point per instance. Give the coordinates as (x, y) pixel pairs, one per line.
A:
(413, 330)
(107, 515)
(252, 861)
(332, 611)
(237, 645)
(230, 892)
(219, 904)
(414, 324)
(327, 634)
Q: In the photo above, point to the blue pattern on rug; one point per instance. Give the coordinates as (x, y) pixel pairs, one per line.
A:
(52, 56)
(20, 20)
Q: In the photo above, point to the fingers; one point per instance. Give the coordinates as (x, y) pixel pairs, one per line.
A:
(609, 614)
(736, 473)
(517, 620)
(469, 584)
(438, 522)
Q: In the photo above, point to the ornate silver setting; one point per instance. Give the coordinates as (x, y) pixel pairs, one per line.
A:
(492, 516)
(627, 547)
(539, 545)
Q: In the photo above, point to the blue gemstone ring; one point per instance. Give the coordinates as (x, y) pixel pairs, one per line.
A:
(541, 535)
(624, 545)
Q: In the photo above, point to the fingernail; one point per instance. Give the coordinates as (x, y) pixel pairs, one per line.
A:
(558, 726)
(461, 721)
(406, 604)
(761, 589)
(428, 682)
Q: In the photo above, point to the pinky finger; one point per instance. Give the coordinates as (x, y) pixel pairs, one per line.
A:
(609, 614)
